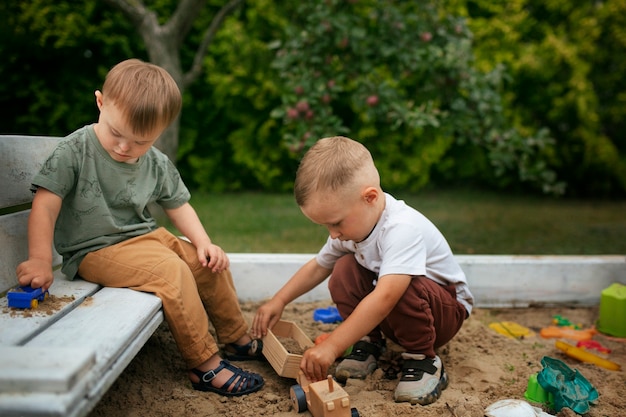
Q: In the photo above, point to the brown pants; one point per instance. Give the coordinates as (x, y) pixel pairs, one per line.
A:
(162, 264)
(426, 317)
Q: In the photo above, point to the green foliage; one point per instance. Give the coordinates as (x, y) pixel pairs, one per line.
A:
(228, 140)
(463, 91)
(566, 61)
(400, 78)
(54, 57)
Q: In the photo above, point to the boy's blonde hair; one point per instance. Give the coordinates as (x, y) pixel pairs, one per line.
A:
(333, 164)
(145, 92)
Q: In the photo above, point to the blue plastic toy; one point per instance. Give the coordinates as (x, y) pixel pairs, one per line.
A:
(568, 387)
(327, 315)
(26, 297)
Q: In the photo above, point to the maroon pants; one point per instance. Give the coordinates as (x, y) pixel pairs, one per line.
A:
(425, 318)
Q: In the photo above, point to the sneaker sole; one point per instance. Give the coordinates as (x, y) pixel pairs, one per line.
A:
(429, 398)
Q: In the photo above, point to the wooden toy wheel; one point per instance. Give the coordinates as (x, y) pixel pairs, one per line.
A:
(34, 303)
(298, 398)
(354, 412)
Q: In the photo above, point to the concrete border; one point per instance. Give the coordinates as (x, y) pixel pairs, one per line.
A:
(495, 280)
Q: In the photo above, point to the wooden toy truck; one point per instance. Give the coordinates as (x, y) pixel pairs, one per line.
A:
(322, 398)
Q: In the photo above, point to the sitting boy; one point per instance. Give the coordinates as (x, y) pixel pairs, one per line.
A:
(92, 196)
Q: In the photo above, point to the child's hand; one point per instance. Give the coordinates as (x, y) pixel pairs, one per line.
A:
(213, 257)
(36, 273)
(316, 361)
(266, 317)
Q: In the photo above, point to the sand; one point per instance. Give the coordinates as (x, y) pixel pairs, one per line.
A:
(483, 366)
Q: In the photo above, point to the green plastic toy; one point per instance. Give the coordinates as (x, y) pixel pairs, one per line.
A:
(568, 387)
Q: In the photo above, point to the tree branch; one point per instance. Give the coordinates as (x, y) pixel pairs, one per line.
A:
(196, 67)
(135, 10)
(181, 21)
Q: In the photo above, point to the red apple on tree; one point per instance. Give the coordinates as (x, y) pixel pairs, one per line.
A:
(372, 100)
(426, 36)
(292, 113)
(302, 106)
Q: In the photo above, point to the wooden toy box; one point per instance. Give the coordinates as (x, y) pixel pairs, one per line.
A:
(285, 364)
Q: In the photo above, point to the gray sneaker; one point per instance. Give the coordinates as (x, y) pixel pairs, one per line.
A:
(361, 361)
(422, 379)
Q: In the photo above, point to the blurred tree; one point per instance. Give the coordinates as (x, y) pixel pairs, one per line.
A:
(401, 78)
(54, 58)
(228, 140)
(163, 42)
(566, 61)
(456, 91)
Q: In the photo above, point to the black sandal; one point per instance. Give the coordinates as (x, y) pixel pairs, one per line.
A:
(252, 350)
(242, 382)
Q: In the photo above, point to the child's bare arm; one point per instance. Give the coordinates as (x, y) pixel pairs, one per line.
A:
(36, 271)
(187, 222)
(305, 279)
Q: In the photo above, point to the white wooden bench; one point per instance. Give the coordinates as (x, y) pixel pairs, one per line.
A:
(58, 363)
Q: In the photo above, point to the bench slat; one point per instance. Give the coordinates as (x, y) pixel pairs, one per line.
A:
(23, 370)
(19, 327)
(82, 398)
(107, 322)
(22, 157)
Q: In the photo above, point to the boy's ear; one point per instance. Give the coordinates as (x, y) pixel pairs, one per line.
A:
(370, 194)
(98, 95)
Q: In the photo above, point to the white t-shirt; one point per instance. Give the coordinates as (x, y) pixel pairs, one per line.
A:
(404, 242)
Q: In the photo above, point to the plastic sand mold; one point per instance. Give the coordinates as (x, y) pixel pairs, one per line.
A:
(536, 394)
(511, 329)
(568, 387)
(327, 315)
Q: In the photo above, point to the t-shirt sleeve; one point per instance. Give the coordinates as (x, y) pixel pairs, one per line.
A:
(403, 251)
(59, 171)
(173, 191)
(330, 252)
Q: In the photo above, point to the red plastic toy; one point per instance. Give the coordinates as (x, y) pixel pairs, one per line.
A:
(592, 345)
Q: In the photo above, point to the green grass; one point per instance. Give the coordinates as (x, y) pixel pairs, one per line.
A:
(474, 222)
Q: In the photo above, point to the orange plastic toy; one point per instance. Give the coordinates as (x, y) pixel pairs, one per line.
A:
(567, 333)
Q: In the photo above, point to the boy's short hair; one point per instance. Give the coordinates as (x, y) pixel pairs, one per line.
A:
(145, 92)
(330, 165)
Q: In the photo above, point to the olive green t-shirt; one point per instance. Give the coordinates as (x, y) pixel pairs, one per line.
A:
(104, 201)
